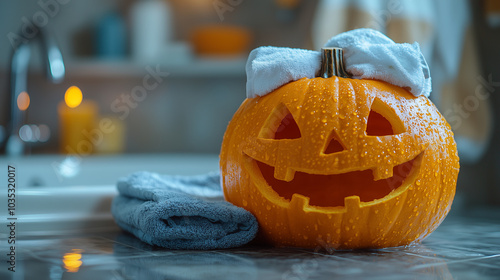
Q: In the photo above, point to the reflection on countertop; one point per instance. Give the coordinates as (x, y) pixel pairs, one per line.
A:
(461, 248)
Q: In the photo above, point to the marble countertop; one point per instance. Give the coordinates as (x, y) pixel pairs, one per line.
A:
(463, 247)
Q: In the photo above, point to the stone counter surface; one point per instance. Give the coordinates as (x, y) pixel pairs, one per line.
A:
(461, 248)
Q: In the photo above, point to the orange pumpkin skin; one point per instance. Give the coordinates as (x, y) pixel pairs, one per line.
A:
(332, 204)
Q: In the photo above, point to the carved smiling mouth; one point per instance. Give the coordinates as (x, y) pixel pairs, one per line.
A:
(332, 190)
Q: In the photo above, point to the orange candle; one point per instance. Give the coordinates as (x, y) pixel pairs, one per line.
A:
(77, 120)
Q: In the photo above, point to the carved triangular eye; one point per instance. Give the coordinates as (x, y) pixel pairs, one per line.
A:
(334, 145)
(280, 125)
(288, 128)
(386, 123)
(378, 125)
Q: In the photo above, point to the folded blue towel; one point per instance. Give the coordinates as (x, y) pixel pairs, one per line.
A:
(181, 212)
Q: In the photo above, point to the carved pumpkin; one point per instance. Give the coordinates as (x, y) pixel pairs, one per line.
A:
(340, 162)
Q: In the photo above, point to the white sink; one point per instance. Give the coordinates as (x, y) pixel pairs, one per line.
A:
(55, 194)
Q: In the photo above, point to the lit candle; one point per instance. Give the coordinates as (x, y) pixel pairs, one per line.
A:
(77, 120)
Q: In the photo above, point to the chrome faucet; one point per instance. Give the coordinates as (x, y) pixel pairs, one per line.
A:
(12, 144)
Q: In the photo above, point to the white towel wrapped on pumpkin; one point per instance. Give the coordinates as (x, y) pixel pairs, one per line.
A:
(368, 54)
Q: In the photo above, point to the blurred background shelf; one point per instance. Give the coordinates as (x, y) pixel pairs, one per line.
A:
(197, 67)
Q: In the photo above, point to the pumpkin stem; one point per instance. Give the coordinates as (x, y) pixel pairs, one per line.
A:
(332, 63)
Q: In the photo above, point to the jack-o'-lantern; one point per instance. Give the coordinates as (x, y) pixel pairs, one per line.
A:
(340, 162)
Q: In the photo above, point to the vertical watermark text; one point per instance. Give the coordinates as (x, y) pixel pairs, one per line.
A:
(11, 218)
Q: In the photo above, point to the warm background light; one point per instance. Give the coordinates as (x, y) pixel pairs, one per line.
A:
(73, 260)
(73, 97)
(23, 101)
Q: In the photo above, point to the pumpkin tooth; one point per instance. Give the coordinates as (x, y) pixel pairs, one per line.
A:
(352, 202)
(299, 201)
(284, 173)
(382, 172)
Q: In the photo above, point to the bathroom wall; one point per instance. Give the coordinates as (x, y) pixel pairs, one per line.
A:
(481, 181)
(189, 110)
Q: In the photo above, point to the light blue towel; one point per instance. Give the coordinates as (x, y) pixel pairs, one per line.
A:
(181, 212)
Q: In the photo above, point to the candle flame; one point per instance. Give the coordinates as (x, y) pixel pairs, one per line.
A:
(23, 101)
(73, 97)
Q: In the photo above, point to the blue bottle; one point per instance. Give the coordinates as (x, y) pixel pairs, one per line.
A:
(111, 41)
